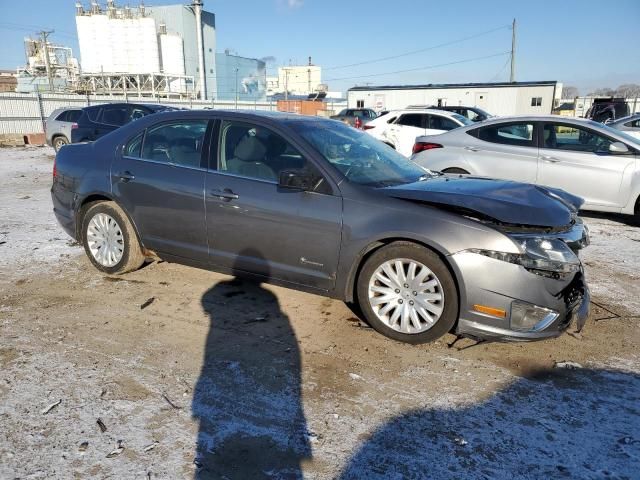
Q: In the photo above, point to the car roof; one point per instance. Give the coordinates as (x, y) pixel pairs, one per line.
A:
(433, 111)
(625, 119)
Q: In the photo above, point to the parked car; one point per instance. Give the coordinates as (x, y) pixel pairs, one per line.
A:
(605, 110)
(629, 125)
(586, 158)
(401, 133)
(356, 117)
(95, 121)
(378, 125)
(313, 204)
(475, 114)
(59, 125)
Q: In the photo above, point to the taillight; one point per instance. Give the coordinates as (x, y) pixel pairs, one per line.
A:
(358, 123)
(55, 170)
(422, 146)
(368, 127)
(74, 126)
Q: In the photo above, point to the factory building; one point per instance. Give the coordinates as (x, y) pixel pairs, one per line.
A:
(160, 50)
(296, 80)
(509, 98)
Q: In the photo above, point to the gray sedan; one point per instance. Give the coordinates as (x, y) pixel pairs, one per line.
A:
(315, 205)
(629, 125)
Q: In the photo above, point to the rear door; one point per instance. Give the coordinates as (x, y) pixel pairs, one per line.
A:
(255, 226)
(403, 132)
(504, 150)
(577, 159)
(111, 117)
(158, 178)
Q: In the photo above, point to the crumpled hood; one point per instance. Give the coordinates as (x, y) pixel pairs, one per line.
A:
(504, 200)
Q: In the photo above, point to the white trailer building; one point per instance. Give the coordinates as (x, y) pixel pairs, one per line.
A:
(496, 98)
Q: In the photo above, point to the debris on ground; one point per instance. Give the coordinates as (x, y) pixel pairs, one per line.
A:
(173, 405)
(355, 376)
(116, 451)
(103, 427)
(51, 407)
(150, 447)
(147, 303)
(567, 365)
(83, 447)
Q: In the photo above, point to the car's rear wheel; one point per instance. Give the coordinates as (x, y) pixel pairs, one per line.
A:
(455, 170)
(109, 239)
(406, 292)
(59, 142)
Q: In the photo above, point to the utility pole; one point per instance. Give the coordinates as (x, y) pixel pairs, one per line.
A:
(513, 51)
(45, 49)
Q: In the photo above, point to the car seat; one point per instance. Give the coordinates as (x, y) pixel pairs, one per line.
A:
(248, 160)
(550, 140)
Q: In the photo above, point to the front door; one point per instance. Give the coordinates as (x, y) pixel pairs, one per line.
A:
(158, 179)
(255, 226)
(577, 159)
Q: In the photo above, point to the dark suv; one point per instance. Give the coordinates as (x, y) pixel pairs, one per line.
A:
(99, 120)
(605, 110)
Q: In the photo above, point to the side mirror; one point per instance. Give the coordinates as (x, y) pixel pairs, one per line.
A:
(295, 180)
(618, 147)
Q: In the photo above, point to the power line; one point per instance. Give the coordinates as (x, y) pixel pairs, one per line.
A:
(428, 67)
(413, 52)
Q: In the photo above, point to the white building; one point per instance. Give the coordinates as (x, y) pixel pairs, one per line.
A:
(496, 98)
(296, 79)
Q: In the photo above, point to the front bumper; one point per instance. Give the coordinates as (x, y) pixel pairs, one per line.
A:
(487, 281)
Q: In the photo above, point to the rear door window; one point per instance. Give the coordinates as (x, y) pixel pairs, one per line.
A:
(178, 143)
(134, 147)
(516, 134)
(412, 120)
(93, 113)
(73, 115)
(115, 115)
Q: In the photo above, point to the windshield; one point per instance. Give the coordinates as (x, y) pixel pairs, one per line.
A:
(614, 131)
(358, 156)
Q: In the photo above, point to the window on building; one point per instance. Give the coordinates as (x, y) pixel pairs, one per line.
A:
(178, 143)
(536, 101)
(360, 104)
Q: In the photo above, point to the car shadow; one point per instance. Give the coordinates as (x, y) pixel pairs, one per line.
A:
(247, 400)
(629, 220)
(554, 424)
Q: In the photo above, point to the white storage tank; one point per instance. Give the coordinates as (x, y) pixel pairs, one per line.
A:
(172, 56)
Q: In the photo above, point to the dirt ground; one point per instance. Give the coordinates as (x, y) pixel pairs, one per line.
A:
(196, 374)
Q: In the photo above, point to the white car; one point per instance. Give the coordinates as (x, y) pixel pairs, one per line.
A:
(629, 125)
(400, 128)
(377, 126)
(583, 157)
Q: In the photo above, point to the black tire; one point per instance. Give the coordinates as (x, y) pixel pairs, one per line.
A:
(410, 251)
(455, 170)
(59, 142)
(132, 256)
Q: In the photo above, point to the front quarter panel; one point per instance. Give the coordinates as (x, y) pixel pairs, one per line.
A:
(370, 221)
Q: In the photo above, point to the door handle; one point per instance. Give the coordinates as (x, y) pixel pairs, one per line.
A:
(126, 176)
(550, 159)
(225, 194)
(472, 149)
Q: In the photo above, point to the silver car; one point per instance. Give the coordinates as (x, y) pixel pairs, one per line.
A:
(59, 125)
(629, 125)
(585, 158)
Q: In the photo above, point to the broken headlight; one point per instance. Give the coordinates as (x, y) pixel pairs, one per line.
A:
(540, 255)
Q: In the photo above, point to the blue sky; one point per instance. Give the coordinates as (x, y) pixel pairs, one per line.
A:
(586, 43)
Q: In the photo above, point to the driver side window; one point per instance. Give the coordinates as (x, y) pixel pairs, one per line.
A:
(571, 138)
(255, 152)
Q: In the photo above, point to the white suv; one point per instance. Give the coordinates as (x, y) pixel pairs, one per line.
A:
(401, 127)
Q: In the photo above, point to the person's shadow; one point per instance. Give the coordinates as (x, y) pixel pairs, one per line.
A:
(248, 397)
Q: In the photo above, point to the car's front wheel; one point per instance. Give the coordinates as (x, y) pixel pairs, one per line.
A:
(406, 292)
(109, 239)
